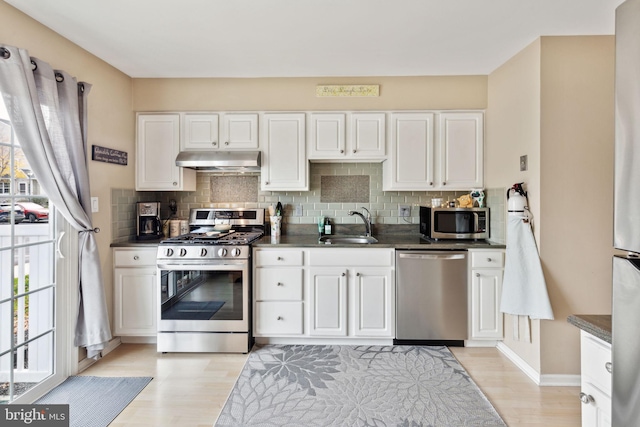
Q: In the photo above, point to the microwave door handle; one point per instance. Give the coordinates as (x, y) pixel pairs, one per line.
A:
(476, 221)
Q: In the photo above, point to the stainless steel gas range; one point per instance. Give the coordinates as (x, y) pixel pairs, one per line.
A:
(205, 282)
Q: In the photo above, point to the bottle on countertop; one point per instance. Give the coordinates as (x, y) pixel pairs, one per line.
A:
(327, 226)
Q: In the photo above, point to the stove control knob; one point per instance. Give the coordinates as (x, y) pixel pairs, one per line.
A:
(222, 252)
(203, 252)
(169, 252)
(183, 252)
(235, 252)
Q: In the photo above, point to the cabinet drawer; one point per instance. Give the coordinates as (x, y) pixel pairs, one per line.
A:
(596, 356)
(333, 257)
(134, 257)
(279, 284)
(487, 259)
(278, 318)
(279, 257)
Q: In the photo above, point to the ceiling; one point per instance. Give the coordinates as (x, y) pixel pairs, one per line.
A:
(314, 38)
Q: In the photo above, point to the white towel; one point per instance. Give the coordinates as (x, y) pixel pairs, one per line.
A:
(524, 290)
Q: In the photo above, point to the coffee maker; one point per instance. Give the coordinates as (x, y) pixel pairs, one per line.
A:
(148, 224)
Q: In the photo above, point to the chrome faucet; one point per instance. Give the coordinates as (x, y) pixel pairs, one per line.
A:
(366, 219)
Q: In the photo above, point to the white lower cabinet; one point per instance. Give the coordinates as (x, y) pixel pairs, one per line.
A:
(595, 389)
(485, 290)
(135, 288)
(339, 293)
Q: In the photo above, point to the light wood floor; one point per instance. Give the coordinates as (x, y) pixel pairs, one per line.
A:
(191, 389)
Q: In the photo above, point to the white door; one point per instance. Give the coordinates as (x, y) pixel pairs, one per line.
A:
(373, 303)
(284, 165)
(200, 132)
(240, 132)
(36, 322)
(327, 136)
(328, 302)
(486, 289)
(460, 147)
(367, 135)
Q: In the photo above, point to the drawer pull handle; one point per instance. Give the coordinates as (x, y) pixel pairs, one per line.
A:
(609, 367)
(136, 257)
(280, 258)
(279, 284)
(279, 318)
(587, 398)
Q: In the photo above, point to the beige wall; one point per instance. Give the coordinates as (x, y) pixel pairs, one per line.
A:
(577, 133)
(281, 94)
(111, 120)
(554, 102)
(513, 130)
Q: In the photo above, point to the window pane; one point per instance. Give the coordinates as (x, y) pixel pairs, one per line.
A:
(6, 334)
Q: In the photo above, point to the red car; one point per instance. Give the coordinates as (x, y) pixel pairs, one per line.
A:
(33, 212)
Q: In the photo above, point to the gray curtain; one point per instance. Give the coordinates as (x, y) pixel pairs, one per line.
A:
(48, 112)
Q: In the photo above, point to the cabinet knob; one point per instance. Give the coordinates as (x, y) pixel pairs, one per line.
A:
(266, 183)
(280, 258)
(358, 274)
(175, 184)
(136, 257)
(587, 398)
(214, 143)
(477, 274)
(226, 143)
(444, 183)
(431, 183)
(609, 367)
(341, 151)
(279, 318)
(354, 151)
(344, 274)
(488, 259)
(279, 284)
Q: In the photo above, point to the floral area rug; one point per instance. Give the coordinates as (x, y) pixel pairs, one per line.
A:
(314, 385)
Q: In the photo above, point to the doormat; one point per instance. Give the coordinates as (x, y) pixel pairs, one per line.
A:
(95, 401)
(192, 310)
(309, 385)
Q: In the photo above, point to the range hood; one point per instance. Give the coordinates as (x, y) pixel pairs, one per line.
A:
(220, 161)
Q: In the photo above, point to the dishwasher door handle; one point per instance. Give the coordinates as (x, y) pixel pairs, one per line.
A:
(428, 256)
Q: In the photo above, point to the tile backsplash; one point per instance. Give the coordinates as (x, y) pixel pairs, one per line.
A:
(329, 182)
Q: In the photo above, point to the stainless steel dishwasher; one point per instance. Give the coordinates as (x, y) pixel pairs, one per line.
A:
(431, 303)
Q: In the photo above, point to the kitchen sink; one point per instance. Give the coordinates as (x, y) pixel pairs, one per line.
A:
(345, 239)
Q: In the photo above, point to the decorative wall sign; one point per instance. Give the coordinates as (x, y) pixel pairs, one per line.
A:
(108, 155)
(348, 90)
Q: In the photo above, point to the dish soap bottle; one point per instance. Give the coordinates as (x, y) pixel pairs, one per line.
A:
(327, 226)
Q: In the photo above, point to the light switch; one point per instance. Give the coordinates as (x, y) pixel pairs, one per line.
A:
(94, 204)
(523, 163)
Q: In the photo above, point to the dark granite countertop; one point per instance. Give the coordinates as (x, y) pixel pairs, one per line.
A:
(598, 325)
(396, 241)
(137, 243)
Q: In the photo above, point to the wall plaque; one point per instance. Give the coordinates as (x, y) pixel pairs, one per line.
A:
(108, 155)
(348, 90)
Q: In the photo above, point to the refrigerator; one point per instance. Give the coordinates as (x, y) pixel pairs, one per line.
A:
(626, 261)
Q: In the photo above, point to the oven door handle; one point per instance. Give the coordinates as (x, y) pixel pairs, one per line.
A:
(227, 265)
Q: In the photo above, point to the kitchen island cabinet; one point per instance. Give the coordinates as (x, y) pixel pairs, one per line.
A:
(135, 292)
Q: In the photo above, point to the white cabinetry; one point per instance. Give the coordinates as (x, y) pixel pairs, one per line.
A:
(348, 294)
(595, 381)
(202, 131)
(418, 160)
(485, 290)
(363, 139)
(158, 144)
(284, 162)
(460, 145)
(278, 292)
(135, 298)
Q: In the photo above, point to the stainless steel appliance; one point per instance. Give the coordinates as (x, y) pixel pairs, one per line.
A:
(626, 265)
(205, 282)
(148, 224)
(454, 223)
(431, 289)
(220, 161)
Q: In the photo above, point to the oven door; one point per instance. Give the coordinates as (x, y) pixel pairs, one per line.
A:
(211, 297)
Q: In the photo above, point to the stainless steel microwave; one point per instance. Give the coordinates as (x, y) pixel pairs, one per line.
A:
(454, 223)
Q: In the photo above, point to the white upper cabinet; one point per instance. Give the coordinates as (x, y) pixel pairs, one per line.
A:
(224, 131)
(239, 131)
(157, 146)
(410, 165)
(346, 137)
(284, 162)
(421, 158)
(460, 145)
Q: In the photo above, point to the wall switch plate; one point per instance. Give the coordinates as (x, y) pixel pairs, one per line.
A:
(404, 210)
(298, 210)
(95, 207)
(523, 163)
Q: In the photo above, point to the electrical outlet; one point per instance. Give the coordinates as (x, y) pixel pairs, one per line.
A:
(523, 163)
(95, 206)
(404, 210)
(298, 210)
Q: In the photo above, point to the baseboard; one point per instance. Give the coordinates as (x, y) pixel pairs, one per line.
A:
(86, 362)
(480, 343)
(139, 340)
(547, 380)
